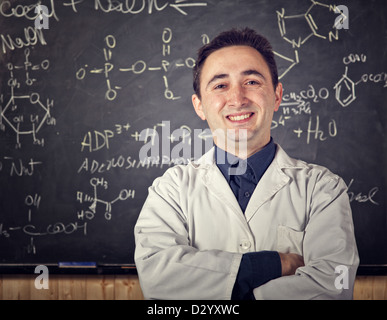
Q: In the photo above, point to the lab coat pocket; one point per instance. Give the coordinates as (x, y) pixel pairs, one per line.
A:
(289, 240)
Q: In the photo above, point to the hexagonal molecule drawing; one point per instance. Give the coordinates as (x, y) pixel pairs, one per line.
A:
(298, 29)
(26, 115)
(345, 90)
(313, 22)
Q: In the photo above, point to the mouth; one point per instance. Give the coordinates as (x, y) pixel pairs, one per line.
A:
(240, 118)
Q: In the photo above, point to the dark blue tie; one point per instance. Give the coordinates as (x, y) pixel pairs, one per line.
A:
(243, 186)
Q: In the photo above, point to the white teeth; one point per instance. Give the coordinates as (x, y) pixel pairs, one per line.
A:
(239, 118)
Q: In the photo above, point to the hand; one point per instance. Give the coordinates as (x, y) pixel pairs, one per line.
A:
(290, 262)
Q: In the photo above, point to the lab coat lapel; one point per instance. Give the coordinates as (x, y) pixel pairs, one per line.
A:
(218, 185)
(273, 180)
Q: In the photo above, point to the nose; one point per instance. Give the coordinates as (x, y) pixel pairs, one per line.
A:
(236, 96)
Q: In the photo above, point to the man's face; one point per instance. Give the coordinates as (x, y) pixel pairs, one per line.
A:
(237, 93)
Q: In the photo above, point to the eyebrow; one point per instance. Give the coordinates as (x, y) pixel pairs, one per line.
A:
(244, 73)
(253, 72)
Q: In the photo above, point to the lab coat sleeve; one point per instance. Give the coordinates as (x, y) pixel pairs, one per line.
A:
(329, 243)
(168, 266)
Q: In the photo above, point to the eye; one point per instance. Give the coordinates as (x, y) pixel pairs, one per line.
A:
(252, 83)
(220, 86)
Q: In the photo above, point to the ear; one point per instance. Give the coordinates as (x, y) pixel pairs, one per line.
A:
(278, 96)
(197, 103)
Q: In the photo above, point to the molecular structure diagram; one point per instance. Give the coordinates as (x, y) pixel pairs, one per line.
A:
(31, 230)
(311, 26)
(345, 90)
(139, 66)
(25, 114)
(31, 202)
(94, 200)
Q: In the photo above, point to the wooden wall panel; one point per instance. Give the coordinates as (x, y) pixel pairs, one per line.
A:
(127, 287)
(370, 288)
(100, 287)
(16, 287)
(72, 287)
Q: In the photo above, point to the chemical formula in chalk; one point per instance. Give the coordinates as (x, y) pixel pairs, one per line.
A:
(25, 114)
(138, 67)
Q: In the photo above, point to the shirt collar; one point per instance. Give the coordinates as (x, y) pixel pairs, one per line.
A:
(256, 164)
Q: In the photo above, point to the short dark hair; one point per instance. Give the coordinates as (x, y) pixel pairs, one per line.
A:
(234, 37)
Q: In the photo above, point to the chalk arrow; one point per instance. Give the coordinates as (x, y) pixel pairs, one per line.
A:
(179, 5)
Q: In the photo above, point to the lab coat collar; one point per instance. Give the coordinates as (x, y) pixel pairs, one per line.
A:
(273, 180)
(283, 161)
(256, 163)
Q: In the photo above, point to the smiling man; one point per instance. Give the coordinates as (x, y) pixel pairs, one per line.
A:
(238, 93)
(276, 230)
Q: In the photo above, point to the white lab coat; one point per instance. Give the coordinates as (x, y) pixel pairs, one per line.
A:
(191, 232)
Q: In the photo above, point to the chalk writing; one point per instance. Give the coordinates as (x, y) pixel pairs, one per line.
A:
(311, 27)
(345, 87)
(138, 67)
(353, 58)
(26, 114)
(25, 11)
(107, 6)
(136, 7)
(345, 90)
(360, 197)
(309, 94)
(51, 229)
(32, 37)
(19, 167)
(123, 195)
(96, 140)
(294, 103)
(315, 132)
(31, 230)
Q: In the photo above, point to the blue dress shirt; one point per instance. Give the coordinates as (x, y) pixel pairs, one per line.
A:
(243, 185)
(256, 268)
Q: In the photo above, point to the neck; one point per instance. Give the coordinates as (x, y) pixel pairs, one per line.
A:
(241, 150)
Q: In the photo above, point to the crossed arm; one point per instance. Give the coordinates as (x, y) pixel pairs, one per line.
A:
(170, 268)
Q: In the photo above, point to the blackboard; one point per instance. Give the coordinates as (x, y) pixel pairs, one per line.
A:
(81, 98)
